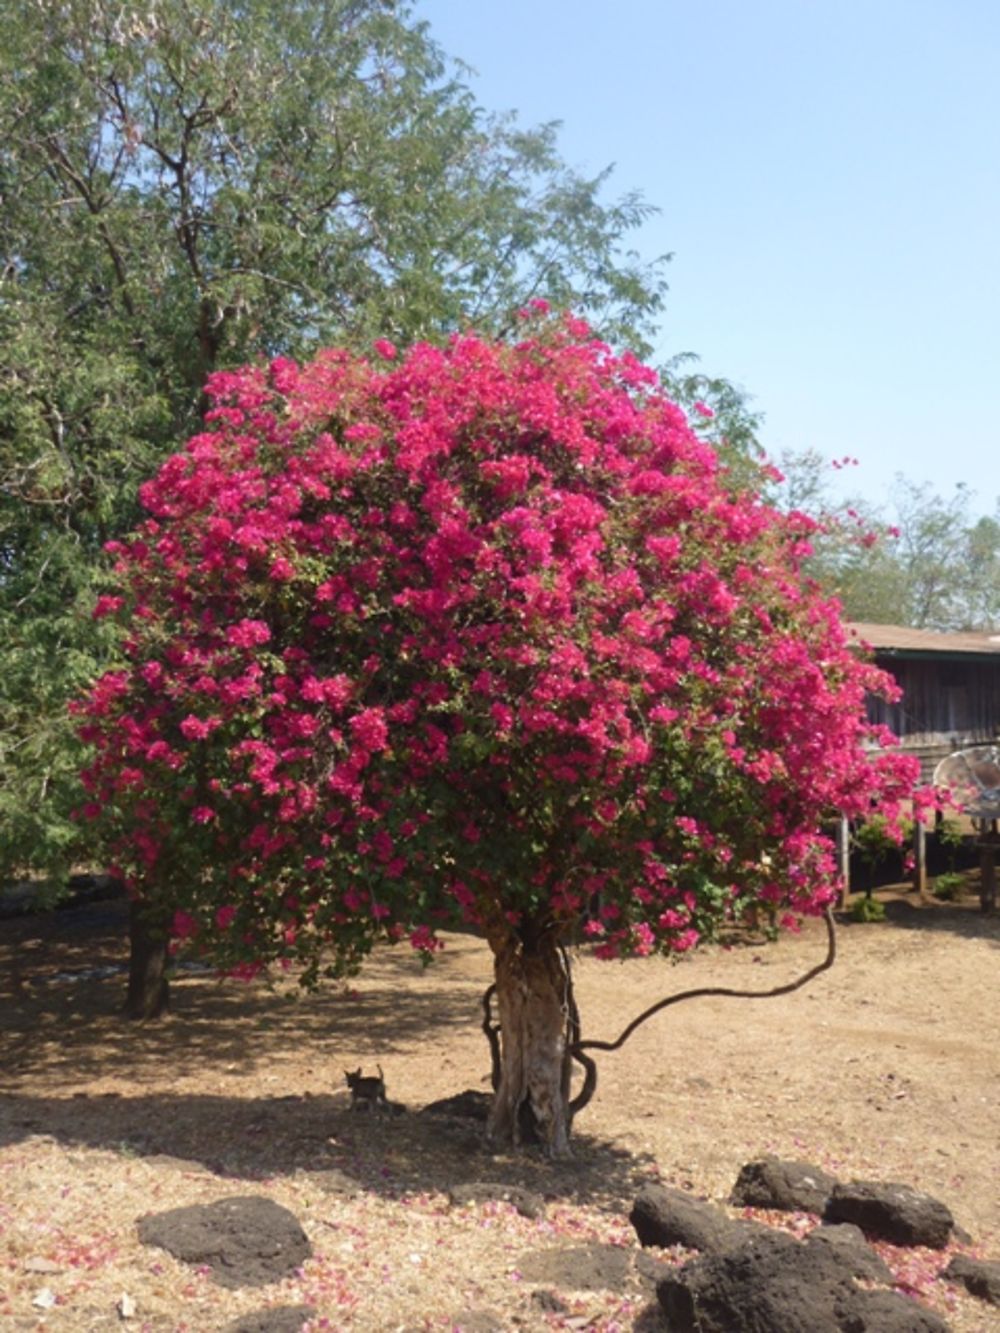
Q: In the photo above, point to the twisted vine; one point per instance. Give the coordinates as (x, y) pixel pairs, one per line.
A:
(577, 1048)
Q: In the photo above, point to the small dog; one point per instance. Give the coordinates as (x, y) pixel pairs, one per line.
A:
(367, 1090)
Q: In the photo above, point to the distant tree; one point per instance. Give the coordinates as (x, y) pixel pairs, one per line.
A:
(190, 184)
(476, 635)
(921, 560)
(982, 572)
(950, 560)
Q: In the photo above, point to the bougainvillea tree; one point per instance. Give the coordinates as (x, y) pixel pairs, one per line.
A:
(476, 635)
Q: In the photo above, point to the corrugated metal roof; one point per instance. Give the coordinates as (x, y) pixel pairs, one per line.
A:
(901, 639)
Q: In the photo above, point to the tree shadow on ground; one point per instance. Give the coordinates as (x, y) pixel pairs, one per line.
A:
(76, 1031)
(61, 987)
(62, 980)
(320, 1141)
(910, 911)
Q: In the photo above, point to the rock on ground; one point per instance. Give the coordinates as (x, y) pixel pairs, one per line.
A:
(663, 1216)
(579, 1268)
(847, 1243)
(469, 1105)
(980, 1277)
(246, 1241)
(789, 1186)
(892, 1212)
(772, 1283)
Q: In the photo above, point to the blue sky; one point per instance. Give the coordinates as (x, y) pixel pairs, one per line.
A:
(827, 175)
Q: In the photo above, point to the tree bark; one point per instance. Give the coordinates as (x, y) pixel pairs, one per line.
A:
(148, 993)
(534, 1005)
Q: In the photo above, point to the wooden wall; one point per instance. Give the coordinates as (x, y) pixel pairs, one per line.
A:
(946, 703)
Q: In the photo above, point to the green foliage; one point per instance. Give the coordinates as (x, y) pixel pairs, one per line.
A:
(867, 910)
(192, 185)
(949, 887)
(733, 426)
(874, 840)
(949, 834)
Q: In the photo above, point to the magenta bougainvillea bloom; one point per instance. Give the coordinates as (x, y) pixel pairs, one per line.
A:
(473, 634)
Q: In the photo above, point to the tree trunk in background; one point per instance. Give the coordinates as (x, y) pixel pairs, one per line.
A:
(148, 990)
(533, 1002)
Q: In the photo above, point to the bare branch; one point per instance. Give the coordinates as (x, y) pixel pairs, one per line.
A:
(61, 161)
(706, 991)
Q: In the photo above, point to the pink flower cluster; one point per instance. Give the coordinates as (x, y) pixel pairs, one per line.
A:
(479, 629)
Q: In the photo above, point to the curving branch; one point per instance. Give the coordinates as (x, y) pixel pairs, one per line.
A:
(589, 1085)
(492, 1031)
(577, 1048)
(705, 991)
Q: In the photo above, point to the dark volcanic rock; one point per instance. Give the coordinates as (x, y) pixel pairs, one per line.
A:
(771, 1283)
(663, 1216)
(888, 1312)
(892, 1212)
(247, 1240)
(848, 1244)
(981, 1277)
(278, 1319)
(789, 1186)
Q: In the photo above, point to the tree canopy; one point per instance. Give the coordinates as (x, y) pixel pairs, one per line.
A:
(479, 634)
(190, 184)
(474, 633)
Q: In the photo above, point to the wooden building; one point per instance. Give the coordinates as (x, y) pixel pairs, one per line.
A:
(950, 701)
(950, 685)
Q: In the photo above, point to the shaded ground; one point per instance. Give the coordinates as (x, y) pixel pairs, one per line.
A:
(888, 1066)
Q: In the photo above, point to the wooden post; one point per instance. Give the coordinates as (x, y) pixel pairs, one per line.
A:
(988, 870)
(844, 859)
(919, 857)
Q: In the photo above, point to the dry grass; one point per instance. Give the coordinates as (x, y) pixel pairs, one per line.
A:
(886, 1067)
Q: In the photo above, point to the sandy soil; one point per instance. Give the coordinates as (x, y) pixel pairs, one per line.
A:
(886, 1067)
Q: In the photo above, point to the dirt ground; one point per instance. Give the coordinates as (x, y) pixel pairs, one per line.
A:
(886, 1067)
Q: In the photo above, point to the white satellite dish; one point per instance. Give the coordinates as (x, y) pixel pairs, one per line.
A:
(973, 779)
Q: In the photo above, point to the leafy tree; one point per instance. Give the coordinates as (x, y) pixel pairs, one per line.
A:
(921, 560)
(188, 185)
(949, 559)
(930, 553)
(476, 635)
(982, 573)
(721, 412)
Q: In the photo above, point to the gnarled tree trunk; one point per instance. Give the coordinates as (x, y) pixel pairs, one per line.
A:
(534, 1002)
(148, 991)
